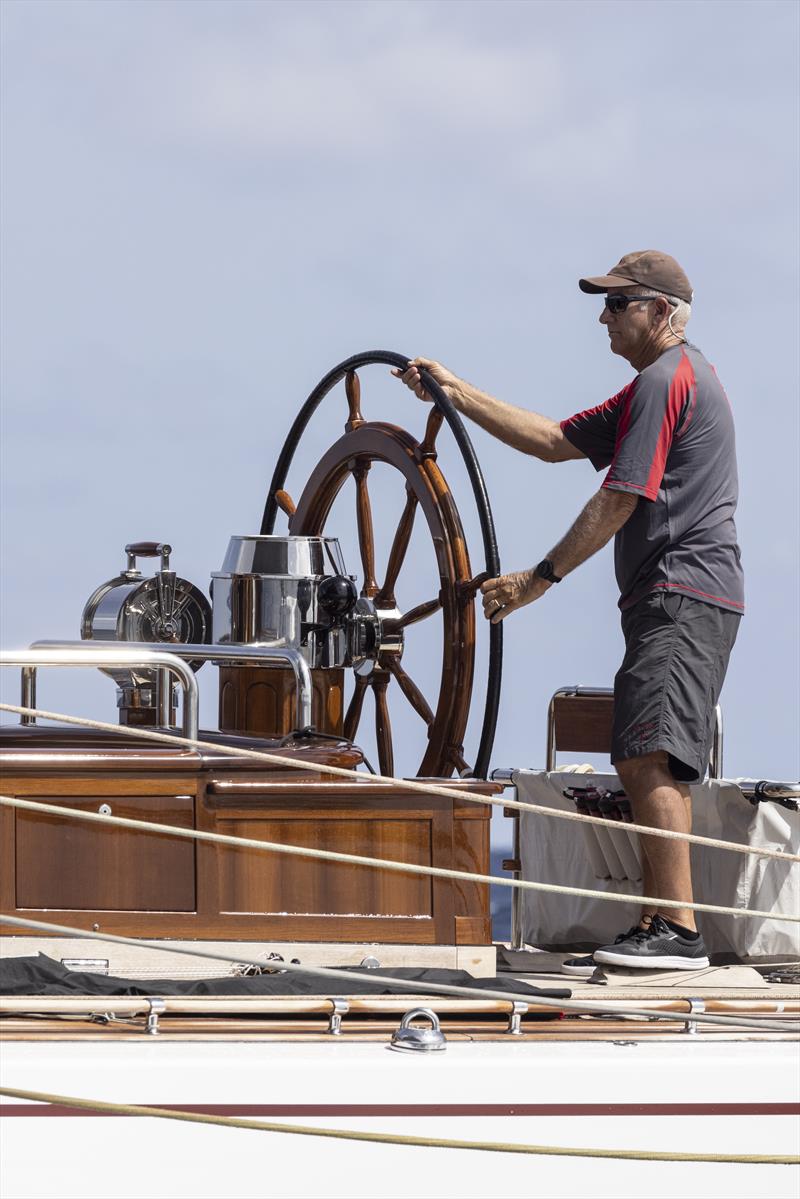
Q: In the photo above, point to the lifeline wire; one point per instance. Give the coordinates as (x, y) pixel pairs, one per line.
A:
(407, 784)
(330, 855)
(586, 1007)
(388, 1138)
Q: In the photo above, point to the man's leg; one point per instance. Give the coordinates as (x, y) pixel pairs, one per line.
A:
(676, 653)
(660, 801)
(668, 940)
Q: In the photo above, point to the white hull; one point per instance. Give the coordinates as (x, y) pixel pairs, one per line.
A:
(87, 1157)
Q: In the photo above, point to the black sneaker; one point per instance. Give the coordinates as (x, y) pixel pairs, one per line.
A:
(657, 947)
(583, 966)
(586, 966)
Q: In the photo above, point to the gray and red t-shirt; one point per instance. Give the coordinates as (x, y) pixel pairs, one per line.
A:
(668, 437)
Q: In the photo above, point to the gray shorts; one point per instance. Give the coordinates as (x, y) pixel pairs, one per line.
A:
(676, 655)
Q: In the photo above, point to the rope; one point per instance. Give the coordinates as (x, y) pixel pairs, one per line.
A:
(584, 1007)
(386, 1138)
(408, 784)
(353, 859)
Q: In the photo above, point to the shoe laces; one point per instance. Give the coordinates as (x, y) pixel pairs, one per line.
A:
(655, 927)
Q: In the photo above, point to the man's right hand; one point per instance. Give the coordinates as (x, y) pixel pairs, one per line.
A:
(412, 378)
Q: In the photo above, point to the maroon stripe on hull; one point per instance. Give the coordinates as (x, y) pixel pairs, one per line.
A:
(260, 1110)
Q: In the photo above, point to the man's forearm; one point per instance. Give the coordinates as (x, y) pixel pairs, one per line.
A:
(517, 427)
(603, 516)
(525, 431)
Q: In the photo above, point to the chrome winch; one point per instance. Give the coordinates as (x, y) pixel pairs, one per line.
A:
(161, 608)
(296, 591)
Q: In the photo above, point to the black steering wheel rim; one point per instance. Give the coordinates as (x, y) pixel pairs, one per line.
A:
(490, 551)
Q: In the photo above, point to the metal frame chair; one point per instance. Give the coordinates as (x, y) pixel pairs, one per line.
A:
(579, 720)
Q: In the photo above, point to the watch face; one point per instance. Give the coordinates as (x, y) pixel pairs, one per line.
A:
(545, 569)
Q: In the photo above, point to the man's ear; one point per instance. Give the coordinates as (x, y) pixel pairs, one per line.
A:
(660, 310)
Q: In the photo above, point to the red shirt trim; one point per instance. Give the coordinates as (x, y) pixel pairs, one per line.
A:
(683, 586)
(608, 405)
(680, 389)
(623, 483)
(682, 386)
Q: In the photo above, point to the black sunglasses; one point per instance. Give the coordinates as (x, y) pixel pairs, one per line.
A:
(617, 304)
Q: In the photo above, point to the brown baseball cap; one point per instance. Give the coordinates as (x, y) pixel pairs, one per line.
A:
(650, 268)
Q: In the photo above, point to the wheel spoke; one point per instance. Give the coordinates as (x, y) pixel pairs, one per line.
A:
(366, 537)
(421, 612)
(383, 726)
(285, 502)
(409, 688)
(457, 758)
(352, 387)
(469, 588)
(385, 597)
(428, 446)
(353, 714)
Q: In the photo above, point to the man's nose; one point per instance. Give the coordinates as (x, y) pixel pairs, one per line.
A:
(604, 315)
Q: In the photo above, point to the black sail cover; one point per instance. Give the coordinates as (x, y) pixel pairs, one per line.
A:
(41, 975)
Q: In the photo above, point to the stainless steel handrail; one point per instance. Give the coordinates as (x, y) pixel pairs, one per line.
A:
(221, 653)
(505, 775)
(717, 745)
(82, 654)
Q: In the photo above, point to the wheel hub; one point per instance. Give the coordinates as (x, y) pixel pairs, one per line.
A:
(372, 634)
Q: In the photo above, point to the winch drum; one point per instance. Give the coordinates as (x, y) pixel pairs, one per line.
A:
(272, 589)
(269, 590)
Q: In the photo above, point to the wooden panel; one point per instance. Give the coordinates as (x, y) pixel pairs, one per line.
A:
(263, 700)
(397, 930)
(471, 853)
(67, 864)
(8, 888)
(584, 723)
(250, 881)
(473, 930)
(245, 894)
(99, 785)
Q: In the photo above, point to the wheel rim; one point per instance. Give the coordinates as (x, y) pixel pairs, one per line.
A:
(491, 556)
(351, 457)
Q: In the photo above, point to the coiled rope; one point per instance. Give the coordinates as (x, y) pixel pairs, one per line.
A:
(407, 784)
(387, 1138)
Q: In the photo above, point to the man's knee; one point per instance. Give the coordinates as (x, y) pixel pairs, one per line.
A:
(631, 769)
(648, 780)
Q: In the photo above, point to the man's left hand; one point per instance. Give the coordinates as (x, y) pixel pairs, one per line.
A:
(509, 592)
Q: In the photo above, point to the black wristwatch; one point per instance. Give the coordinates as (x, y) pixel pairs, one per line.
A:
(545, 571)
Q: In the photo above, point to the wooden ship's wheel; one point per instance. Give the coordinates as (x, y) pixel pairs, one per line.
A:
(351, 459)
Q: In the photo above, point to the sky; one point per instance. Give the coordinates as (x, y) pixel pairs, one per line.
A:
(206, 205)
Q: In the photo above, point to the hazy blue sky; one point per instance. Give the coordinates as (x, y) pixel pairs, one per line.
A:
(207, 205)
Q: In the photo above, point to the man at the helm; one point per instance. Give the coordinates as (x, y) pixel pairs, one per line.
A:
(669, 496)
